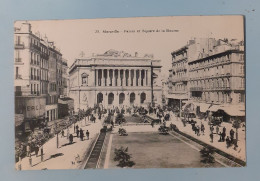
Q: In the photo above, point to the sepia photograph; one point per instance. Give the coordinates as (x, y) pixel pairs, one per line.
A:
(135, 93)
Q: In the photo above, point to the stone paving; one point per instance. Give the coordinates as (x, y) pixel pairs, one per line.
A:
(64, 157)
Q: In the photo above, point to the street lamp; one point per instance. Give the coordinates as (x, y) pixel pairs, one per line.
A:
(57, 133)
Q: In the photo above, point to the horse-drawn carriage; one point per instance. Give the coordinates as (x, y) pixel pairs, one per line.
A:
(163, 130)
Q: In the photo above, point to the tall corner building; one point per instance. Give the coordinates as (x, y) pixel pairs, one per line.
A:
(210, 73)
(115, 79)
(37, 76)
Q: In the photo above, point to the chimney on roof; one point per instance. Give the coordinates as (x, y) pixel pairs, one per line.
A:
(136, 54)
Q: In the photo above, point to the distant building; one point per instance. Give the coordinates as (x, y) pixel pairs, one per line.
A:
(37, 76)
(165, 90)
(115, 79)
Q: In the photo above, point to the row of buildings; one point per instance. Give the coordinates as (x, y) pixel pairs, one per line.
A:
(209, 76)
(40, 77)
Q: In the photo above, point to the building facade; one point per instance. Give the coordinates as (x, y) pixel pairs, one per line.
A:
(178, 78)
(115, 79)
(216, 77)
(65, 78)
(35, 69)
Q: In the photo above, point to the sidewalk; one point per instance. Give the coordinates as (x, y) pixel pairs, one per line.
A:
(239, 153)
(62, 157)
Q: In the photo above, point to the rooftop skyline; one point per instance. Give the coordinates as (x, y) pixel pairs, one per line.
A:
(147, 35)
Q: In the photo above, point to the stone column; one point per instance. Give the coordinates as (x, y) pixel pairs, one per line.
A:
(139, 78)
(116, 99)
(149, 77)
(145, 77)
(138, 98)
(103, 77)
(134, 80)
(124, 77)
(105, 99)
(96, 77)
(113, 79)
(110, 79)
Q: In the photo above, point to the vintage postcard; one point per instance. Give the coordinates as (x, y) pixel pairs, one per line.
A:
(145, 92)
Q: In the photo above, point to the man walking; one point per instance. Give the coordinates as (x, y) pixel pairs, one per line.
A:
(81, 134)
(77, 133)
(202, 128)
(211, 129)
(232, 132)
(211, 137)
(223, 134)
(217, 129)
(28, 150)
(87, 134)
(71, 138)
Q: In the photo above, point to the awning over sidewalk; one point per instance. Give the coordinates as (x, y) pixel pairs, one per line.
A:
(19, 118)
(214, 108)
(204, 107)
(234, 110)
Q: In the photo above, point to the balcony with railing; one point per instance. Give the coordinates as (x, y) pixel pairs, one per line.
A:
(224, 88)
(18, 93)
(178, 79)
(36, 47)
(19, 45)
(196, 89)
(17, 76)
(44, 56)
(18, 61)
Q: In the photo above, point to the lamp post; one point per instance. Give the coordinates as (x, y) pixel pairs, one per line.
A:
(57, 135)
(236, 125)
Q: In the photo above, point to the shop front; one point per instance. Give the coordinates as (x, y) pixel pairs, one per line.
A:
(32, 109)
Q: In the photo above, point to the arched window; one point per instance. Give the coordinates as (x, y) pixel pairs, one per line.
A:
(99, 98)
(84, 79)
(110, 98)
(132, 98)
(143, 97)
(121, 98)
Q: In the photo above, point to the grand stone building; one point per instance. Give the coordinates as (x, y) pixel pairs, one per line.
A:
(115, 79)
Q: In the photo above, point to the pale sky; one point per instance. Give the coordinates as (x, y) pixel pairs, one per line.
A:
(75, 36)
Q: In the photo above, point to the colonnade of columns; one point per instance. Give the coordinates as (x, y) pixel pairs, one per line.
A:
(122, 77)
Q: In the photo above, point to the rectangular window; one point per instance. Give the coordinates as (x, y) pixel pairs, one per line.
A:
(17, 72)
(31, 89)
(31, 73)
(18, 40)
(242, 97)
(31, 57)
